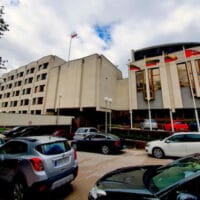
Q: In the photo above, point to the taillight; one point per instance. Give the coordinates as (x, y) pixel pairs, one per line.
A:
(117, 143)
(37, 164)
(75, 154)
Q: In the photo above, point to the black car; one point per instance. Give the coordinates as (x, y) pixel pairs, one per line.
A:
(104, 143)
(178, 180)
(193, 126)
(14, 131)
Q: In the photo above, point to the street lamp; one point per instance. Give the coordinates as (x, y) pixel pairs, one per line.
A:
(108, 102)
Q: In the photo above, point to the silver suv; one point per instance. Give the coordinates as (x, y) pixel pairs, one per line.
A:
(37, 163)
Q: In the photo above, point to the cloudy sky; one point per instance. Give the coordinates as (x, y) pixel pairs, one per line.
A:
(109, 27)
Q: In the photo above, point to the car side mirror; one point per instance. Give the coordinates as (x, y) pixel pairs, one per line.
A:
(167, 141)
(186, 196)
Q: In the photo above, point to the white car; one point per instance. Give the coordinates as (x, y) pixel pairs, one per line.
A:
(147, 124)
(83, 132)
(178, 144)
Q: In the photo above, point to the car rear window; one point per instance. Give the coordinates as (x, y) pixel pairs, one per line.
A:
(53, 148)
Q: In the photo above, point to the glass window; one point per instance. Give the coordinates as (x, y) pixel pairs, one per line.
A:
(14, 147)
(173, 173)
(153, 81)
(177, 138)
(40, 100)
(182, 73)
(193, 137)
(53, 148)
(140, 81)
(198, 69)
(44, 76)
(45, 65)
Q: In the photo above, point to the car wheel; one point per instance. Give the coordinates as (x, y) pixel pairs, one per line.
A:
(158, 153)
(105, 149)
(17, 190)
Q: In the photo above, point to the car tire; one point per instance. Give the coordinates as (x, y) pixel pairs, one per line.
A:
(158, 152)
(18, 190)
(105, 149)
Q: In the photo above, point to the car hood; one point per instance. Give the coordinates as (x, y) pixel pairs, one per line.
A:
(129, 179)
(157, 142)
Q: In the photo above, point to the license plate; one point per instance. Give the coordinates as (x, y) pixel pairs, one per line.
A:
(61, 161)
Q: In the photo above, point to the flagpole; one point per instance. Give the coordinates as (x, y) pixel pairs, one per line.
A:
(193, 99)
(130, 99)
(148, 95)
(70, 43)
(73, 35)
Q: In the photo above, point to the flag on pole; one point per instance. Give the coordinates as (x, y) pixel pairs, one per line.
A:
(152, 62)
(190, 53)
(170, 58)
(73, 35)
(134, 67)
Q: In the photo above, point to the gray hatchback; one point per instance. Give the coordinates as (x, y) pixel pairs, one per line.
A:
(37, 163)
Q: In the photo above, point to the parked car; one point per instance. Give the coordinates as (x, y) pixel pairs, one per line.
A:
(14, 131)
(193, 126)
(179, 144)
(84, 131)
(147, 124)
(179, 125)
(2, 139)
(29, 131)
(178, 180)
(63, 133)
(99, 142)
(36, 163)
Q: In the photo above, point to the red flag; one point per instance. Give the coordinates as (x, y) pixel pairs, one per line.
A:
(190, 53)
(134, 67)
(170, 58)
(152, 62)
(73, 35)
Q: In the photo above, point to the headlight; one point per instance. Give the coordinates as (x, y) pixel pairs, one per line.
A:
(95, 192)
(147, 145)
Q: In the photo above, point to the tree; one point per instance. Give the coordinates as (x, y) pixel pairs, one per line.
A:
(3, 28)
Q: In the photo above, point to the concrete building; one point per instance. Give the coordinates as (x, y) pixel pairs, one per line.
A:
(85, 88)
(162, 79)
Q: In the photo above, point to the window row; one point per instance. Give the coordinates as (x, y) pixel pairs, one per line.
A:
(148, 81)
(28, 71)
(37, 112)
(23, 102)
(26, 81)
(37, 89)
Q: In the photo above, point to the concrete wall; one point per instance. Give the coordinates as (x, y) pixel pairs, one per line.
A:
(10, 119)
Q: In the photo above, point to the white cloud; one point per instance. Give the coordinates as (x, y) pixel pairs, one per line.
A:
(42, 27)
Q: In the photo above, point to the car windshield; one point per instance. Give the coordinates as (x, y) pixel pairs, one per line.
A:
(172, 173)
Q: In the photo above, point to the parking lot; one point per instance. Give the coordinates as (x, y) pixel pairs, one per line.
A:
(93, 165)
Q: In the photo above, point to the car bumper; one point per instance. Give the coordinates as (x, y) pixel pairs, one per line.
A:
(56, 181)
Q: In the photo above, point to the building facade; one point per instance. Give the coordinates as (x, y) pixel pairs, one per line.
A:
(162, 79)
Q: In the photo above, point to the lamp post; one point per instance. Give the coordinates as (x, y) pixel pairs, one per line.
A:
(108, 102)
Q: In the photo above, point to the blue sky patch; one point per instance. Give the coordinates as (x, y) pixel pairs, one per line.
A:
(15, 2)
(104, 32)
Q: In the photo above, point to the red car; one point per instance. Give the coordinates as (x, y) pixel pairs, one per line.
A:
(63, 133)
(179, 125)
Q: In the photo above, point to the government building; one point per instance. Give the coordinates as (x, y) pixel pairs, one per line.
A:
(162, 80)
